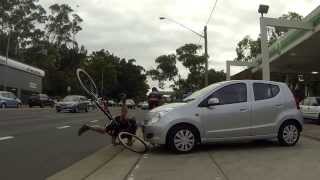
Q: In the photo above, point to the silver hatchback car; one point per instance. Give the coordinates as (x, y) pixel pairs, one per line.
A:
(230, 110)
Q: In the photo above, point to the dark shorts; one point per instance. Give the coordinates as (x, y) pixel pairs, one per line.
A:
(118, 126)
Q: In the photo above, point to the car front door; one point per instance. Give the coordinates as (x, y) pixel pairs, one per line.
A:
(12, 102)
(266, 108)
(231, 116)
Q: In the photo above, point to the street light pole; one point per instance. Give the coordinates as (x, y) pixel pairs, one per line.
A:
(206, 55)
(204, 36)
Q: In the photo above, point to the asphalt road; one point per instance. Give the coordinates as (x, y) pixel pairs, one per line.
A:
(36, 143)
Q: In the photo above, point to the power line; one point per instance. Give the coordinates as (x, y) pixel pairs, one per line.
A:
(213, 8)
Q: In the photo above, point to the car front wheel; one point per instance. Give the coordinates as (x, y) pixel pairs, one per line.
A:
(182, 139)
(289, 133)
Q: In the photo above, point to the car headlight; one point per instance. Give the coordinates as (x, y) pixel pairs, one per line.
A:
(157, 117)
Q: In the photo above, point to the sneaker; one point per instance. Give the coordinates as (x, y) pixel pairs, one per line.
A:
(83, 129)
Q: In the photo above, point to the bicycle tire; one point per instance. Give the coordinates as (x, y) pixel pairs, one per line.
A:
(92, 92)
(136, 146)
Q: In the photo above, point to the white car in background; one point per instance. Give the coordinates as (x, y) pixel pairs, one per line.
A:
(130, 103)
(310, 108)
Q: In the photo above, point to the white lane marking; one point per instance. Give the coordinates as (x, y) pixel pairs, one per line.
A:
(94, 121)
(6, 137)
(63, 127)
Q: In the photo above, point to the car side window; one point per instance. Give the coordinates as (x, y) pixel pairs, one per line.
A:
(306, 102)
(265, 91)
(313, 102)
(231, 94)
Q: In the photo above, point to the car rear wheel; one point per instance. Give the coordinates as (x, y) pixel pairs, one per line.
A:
(182, 139)
(289, 133)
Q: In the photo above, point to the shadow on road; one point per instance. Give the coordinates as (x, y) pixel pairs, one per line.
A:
(226, 146)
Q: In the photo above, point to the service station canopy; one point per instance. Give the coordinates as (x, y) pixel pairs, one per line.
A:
(298, 51)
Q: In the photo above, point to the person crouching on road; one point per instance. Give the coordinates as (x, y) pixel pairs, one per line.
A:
(121, 123)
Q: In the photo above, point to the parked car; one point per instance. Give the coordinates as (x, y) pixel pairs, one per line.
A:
(111, 103)
(130, 104)
(144, 105)
(41, 100)
(230, 110)
(310, 108)
(8, 99)
(73, 103)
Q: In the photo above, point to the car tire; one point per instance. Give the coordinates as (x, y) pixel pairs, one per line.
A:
(86, 109)
(41, 105)
(75, 109)
(58, 110)
(289, 133)
(3, 106)
(182, 139)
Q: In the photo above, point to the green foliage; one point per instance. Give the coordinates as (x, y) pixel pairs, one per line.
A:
(166, 69)
(247, 49)
(49, 49)
(190, 58)
(60, 26)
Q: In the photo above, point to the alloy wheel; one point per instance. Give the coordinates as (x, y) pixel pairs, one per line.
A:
(290, 134)
(184, 140)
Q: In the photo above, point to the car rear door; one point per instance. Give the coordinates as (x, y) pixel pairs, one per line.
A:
(266, 107)
(314, 108)
(305, 107)
(231, 117)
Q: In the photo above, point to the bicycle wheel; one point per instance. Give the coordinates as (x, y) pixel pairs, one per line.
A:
(137, 144)
(87, 83)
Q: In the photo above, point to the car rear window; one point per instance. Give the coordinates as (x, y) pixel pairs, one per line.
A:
(265, 91)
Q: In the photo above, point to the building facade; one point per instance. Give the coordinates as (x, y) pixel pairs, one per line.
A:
(19, 78)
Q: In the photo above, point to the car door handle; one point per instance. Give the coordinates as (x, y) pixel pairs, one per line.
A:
(243, 110)
(278, 105)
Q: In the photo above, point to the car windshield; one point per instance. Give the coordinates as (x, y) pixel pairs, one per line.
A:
(200, 93)
(70, 98)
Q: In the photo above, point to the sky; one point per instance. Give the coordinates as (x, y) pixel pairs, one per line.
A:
(132, 29)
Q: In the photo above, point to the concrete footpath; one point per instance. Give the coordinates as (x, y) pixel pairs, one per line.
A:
(246, 160)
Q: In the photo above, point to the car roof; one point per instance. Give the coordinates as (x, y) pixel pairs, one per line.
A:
(5, 92)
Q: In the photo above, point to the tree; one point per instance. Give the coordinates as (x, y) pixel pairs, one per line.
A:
(189, 56)
(19, 19)
(59, 27)
(247, 49)
(166, 69)
(216, 76)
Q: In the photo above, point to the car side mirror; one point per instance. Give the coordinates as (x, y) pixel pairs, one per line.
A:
(213, 102)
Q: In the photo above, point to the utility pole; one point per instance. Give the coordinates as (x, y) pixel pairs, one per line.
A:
(6, 69)
(204, 36)
(206, 55)
(102, 83)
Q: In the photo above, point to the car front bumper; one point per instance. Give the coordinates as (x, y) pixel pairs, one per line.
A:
(154, 134)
